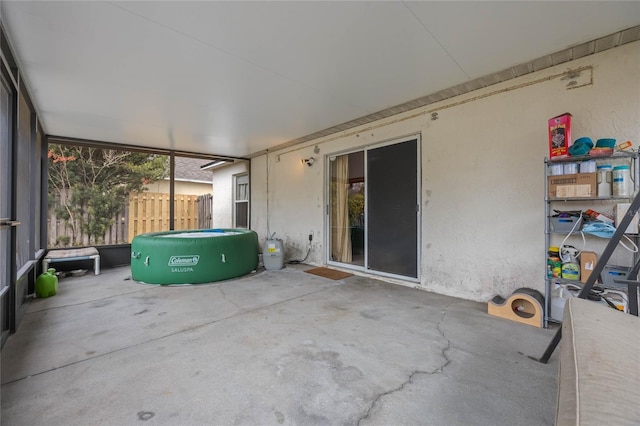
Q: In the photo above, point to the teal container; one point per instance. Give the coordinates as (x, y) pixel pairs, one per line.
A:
(47, 284)
(193, 256)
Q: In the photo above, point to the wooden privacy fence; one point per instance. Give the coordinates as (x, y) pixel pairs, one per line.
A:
(205, 205)
(69, 233)
(60, 233)
(145, 212)
(149, 212)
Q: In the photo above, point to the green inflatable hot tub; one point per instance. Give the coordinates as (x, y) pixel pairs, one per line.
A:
(193, 257)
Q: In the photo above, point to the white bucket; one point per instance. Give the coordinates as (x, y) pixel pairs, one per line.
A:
(621, 182)
(604, 180)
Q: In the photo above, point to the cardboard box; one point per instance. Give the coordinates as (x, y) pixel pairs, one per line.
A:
(559, 136)
(620, 210)
(579, 185)
(587, 263)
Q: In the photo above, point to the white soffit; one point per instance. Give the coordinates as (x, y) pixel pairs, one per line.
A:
(235, 78)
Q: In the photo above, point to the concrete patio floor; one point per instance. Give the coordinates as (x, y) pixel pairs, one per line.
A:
(274, 347)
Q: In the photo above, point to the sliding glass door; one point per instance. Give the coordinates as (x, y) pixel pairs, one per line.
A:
(373, 210)
(392, 209)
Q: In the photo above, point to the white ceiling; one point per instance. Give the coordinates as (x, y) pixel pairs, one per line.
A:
(235, 78)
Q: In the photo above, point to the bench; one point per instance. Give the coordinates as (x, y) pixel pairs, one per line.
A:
(70, 255)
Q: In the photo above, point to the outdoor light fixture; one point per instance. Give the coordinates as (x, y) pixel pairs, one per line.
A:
(308, 161)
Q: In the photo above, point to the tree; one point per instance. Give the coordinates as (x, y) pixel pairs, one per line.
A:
(356, 209)
(93, 185)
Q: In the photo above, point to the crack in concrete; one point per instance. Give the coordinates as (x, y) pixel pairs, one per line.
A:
(188, 329)
(389, 392)
(85, 302)
(224, 297)
(414, 373)
(446, 349)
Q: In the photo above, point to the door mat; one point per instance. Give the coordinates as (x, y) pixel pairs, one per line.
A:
(332, 274)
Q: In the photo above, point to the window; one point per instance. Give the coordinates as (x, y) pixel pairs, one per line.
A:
(241, 201)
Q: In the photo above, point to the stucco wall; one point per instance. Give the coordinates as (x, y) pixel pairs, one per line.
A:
(482, 173)
(181, 187)
(222, 210)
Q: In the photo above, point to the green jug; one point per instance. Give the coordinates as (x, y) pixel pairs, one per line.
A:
(47, 284)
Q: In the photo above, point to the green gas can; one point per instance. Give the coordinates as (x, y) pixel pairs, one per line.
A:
(47, 284)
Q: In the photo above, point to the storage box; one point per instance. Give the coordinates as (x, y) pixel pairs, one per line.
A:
(620, 210)
(566, 224)
(579, 185)
(613, 272)
(587, 263)
(559, 136)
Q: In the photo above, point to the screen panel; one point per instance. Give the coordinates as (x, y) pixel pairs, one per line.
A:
(392, 202)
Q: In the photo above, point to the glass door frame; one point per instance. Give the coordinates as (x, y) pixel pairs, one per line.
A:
(8, 225)
(328, 225)
(327, 216)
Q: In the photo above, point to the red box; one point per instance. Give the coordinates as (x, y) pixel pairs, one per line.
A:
(560, 136)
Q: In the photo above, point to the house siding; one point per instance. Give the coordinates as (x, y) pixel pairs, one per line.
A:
(222, 210)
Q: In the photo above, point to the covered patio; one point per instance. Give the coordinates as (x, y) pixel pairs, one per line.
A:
(273, 347)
